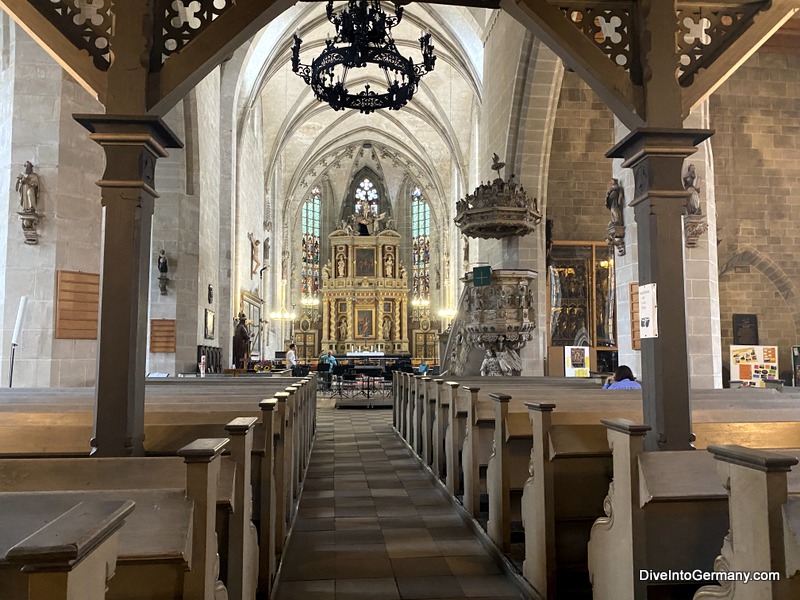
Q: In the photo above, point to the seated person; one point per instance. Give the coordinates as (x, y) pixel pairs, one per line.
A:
(423, 368)
(623, 379)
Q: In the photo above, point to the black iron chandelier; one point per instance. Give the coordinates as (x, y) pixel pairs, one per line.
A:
(363, 37)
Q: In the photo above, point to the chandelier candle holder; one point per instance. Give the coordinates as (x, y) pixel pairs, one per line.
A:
(363, 39)
(497, 209)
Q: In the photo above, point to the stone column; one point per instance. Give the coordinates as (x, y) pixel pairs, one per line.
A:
(350, 319)
(656, 156)
(132, 145)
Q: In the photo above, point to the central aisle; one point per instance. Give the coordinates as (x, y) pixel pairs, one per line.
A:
(372, 525)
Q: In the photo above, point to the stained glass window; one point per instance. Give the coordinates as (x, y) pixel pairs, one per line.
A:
(420, 247)
(309, 284)
(367, 195)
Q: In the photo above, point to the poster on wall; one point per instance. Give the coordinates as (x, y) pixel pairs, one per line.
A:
(576, 361)
(754, 365)
(648, 311)
(796, 366)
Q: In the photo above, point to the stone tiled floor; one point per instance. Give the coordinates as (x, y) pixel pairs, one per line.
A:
(371, 525)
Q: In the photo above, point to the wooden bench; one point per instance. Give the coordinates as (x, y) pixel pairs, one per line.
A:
(659, 502)
(167, 548)
(71, 557)
(764, 516)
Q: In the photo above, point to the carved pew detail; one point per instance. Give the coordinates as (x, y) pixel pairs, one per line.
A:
(73, 556)
(764, 520)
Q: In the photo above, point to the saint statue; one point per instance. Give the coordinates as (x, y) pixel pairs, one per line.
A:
(691, 183)
(387, 328)
(490, 365)
(163, 265)
(389, 270)
(241, 343)
(340, 266)
(28, 188)
(614, 199)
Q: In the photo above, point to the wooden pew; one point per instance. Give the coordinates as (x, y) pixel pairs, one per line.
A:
(764, 534)
(168, 546)
(71, 557)
(661, 501)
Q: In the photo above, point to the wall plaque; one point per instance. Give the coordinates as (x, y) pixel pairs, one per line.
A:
(745, 329)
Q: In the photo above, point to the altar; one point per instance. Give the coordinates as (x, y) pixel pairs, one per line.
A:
(365, 294)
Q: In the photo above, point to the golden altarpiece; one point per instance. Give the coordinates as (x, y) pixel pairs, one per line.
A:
(365, 294)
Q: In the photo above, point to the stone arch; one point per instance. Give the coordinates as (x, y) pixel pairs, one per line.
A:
(348, 201)
(748, 256)
(751, 283)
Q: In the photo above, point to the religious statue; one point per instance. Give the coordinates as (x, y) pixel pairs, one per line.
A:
(163, 265)
(691, 183)
(241, 343)
(343, 329)
(387, 327)
(163, 268)
(28, 189)
(389, 267)
(403, 272)
(614, 199)
(490, 366)
(254, 262)
(340, 266)
(326, 270)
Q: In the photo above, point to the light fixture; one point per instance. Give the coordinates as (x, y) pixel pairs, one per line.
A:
(282, 314)
(363, 37)
(310, 301)
(420, 302)
(448, 313)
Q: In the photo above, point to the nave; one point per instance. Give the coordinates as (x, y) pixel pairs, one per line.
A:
(372, 524)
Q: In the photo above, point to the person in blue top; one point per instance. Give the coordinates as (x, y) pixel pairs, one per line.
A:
(623, 379)
(423, 368)
(331, 360)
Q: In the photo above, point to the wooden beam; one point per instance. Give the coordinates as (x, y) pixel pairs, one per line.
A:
(609, 81)
(184, 69)
(78, 63)
(765, 23)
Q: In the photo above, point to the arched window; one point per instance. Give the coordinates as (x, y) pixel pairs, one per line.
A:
(309, 285)
(420, 247)
(367, 195)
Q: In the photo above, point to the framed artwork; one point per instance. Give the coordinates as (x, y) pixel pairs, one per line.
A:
(365, 323)
(210, 325)
(387, 307)
(365, 262)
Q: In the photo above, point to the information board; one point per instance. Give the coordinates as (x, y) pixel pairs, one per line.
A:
(754, 365)
(576, 361)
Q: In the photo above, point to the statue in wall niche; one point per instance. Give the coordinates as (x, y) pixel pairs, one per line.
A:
(389, 267)
(614, 200)
(343, 329)
(254, 262)
(340, 266)
(387, 327)
(28, 189)
(691, 183)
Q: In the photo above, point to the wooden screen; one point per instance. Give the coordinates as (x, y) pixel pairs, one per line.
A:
(636, 340)
(162, 335)
(77, 305)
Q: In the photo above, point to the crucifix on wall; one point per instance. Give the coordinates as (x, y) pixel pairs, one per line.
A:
(254, 262)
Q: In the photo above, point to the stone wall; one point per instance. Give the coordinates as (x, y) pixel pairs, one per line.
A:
(756, 115)
(38, 102)
(579, 171)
